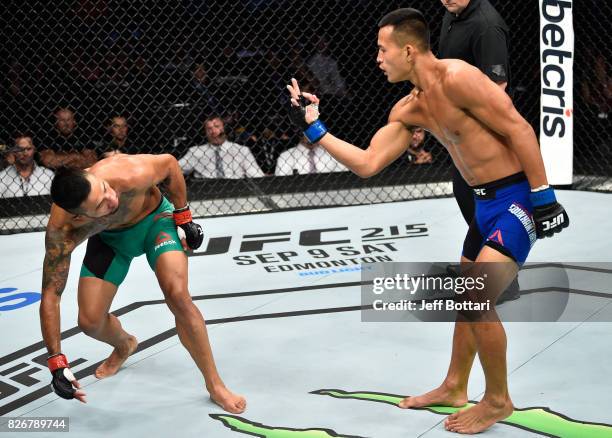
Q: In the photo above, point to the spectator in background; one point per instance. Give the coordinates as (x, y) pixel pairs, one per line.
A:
(416, 151)
(6, 157)
(201, 90)
(270, 143)
(117, 129)
(219, 158)
(65, 148)
(238, 131)
(330, 85)
(597, 91)
(325, 69)
(306, 158)
(24, 177)
(293, 48)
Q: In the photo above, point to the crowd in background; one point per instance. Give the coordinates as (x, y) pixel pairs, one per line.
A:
(86, 79)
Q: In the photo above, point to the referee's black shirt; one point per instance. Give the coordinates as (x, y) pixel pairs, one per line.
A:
(478, 36)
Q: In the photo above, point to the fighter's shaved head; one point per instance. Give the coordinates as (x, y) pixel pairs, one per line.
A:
(409, 27)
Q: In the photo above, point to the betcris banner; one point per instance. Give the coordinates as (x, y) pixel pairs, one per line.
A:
(557, 100)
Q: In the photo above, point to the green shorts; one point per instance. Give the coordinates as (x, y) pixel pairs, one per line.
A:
(110, 253)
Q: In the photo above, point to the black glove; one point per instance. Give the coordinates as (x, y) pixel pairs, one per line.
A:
(62, 376)
(313, 131)
(194, 235)
(549, 216)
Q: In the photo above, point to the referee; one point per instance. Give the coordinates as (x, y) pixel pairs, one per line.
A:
(474, 32)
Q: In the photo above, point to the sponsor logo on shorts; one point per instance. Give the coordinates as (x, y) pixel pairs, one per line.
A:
(163, 239)
(497, 237)
(526, 219)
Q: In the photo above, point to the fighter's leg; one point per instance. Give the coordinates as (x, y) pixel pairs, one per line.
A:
(95, 296)
(464, 195)
(491, 344)
(453, 390)
(171, 272)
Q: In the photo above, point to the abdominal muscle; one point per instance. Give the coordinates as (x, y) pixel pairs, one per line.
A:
(480, 155)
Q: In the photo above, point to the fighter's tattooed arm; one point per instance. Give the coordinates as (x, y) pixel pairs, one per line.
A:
(59, 245)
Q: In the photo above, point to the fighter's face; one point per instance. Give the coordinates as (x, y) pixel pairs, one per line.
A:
(391, 58)
(215, 131)
(102, 200)
(455, 6)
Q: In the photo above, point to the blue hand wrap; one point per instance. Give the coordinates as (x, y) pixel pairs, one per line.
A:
(543, 197)
(315, 131)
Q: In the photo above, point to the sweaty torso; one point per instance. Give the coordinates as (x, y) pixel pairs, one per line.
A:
(136, 200)
(480, 154)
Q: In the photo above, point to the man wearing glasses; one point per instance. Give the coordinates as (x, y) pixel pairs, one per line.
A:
(24, 177)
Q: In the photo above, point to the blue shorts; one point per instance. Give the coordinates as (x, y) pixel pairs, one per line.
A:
(503, 219)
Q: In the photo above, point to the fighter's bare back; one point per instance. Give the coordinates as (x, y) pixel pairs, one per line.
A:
(133, 178)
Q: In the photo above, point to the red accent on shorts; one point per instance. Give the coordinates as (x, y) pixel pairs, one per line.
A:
(497, 237)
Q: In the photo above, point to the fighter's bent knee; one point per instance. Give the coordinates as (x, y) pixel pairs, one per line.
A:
(89, 324)
(178, 301)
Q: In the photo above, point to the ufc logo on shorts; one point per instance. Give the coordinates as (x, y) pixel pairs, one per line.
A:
(480, 192)
(553, 223)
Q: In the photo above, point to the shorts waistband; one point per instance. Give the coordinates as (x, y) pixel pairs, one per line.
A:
(488, 190)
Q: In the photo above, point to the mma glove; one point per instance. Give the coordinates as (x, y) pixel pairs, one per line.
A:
(549, 216)
(193, 233)
(313, 131)
(61, 382)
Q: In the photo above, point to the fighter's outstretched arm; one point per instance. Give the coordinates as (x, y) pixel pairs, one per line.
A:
(486, 101)
(386, 145)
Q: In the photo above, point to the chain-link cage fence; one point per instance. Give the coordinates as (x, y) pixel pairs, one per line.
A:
(592, 96)
(82, 79)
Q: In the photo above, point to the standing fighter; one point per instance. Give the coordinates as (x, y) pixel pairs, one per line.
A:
(117, 205)
(497, 153)
(473, 31)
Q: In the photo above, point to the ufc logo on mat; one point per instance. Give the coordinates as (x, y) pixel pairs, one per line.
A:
(553, 223)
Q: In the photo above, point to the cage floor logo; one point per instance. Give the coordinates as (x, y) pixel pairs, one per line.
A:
(316, 251)
(539, 420)
(16, 300)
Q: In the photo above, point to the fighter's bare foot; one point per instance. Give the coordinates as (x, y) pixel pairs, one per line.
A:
(119, 355)
(479, 417)
(444, 395)
(230, 402)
